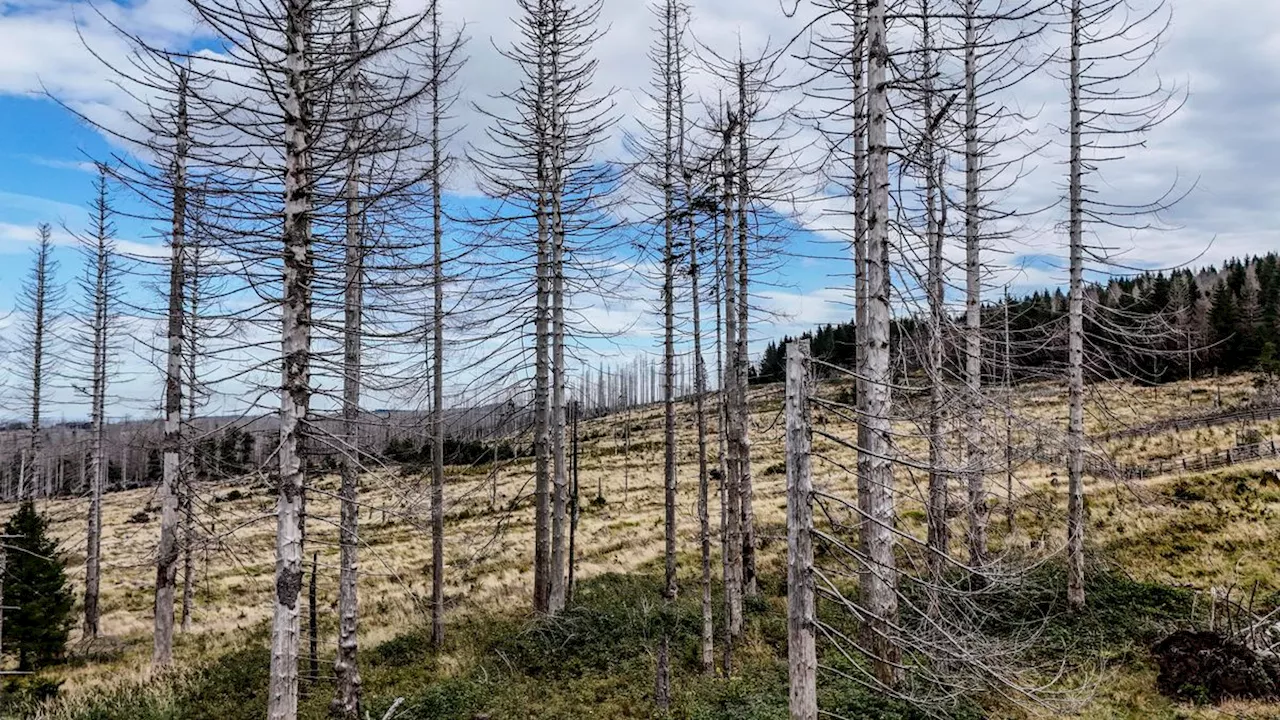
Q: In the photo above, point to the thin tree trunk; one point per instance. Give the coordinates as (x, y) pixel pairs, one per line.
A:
(295, 398)
(313, 621)
(733, 493)
(437, 324)
(938, 535)
(542, 348)
(573, 509)
(346, 699)
(29, 477)
(97, 424)
(860, 198)
(749, 584)
(1008, 421)
(167, 551)
(707, 656)
(560, 478)
(668, 306)
(1075, 340)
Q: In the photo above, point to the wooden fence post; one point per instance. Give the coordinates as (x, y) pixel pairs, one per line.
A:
(802, 654)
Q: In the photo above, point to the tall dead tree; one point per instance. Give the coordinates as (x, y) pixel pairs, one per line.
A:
(975, 461)
(442, 67)
(880, 579)
(743, 187)
(671, 37)
(689, 212)
(1108, 43)
(729, 388)
(100, 285)
(167, 550)
(346, 699)
(38, 305)
(542, 159)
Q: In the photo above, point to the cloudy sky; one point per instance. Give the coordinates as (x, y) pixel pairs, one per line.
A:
(1223, 141)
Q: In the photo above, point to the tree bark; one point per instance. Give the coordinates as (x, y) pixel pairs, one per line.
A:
(880, 581)
(975, 460)
(543, 341)
(346, 699)
(802, 655)
(668, 304)
(437, 323)
(97, 422)
(295, 398)
(1075, 337)
(167, 551)
(749, 584)
(733, 417)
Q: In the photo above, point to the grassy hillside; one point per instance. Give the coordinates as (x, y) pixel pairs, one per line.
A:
(1162, 541)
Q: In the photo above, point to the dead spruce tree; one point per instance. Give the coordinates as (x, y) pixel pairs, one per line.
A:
(346, 699)
(656, 148)
(100, 289)
(171, 482)
(540, 157)
(39, 309)
(1109, 42)
(443, 61)
(880, 580)
(281, 126)
(693, 201)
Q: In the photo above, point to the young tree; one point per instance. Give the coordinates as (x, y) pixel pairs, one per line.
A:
(38, 619)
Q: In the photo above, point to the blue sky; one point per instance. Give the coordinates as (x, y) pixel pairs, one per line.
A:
(1225, 140)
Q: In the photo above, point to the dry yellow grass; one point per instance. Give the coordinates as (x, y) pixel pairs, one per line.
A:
(489, 545)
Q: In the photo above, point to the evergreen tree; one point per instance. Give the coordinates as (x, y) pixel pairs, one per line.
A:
(35, 590)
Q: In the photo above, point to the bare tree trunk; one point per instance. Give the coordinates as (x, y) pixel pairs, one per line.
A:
(313, 621)
(543, 342)
(722, 433)
(295, 398)
(744, 423)
(437, 323)
(97, 423)
(662, 681)
(668, 302)
(860, 198)
(708, 660)
(880, 582)
(802, 654)
(733, 417)
(1075, 340)
(1008, 421)
(346, 699)
(167, 551)
(975, 460)
(573, 508)
(560, 478)
(938, 535)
